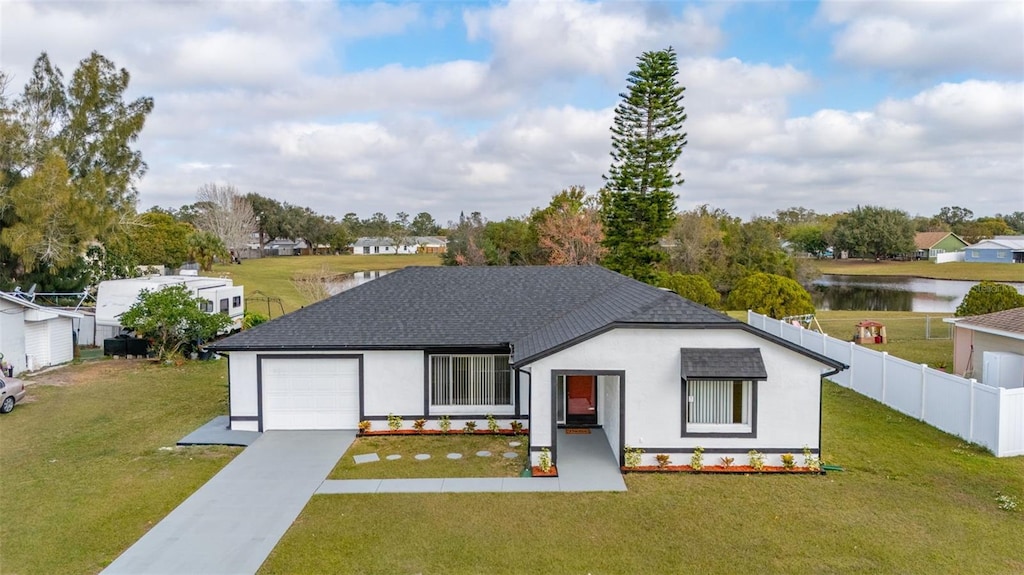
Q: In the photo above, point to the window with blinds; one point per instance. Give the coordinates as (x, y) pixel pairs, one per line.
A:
(470, 380)
(712, 403)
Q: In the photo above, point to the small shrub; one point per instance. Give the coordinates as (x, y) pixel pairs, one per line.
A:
(492, 424)
(633, 456)
(470, 427)
(517, 427)
(663, 460)
(365, 425)
(788, 461)
(545, 460)
(727, 462)
(1007, 502)
(810, 461)
(419, 424)
(756, 460)
(445, 423)
(252, 319)
(394, 422)
(697, 459)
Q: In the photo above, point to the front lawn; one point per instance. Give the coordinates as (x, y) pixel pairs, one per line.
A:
(912, 500)
(438, 465)
(88, 463)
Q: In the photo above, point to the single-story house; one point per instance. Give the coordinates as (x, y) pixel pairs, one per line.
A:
(999, 250)
(984, 342)
(409, 245)
(32, 336)
(551, 346)
(931, 244)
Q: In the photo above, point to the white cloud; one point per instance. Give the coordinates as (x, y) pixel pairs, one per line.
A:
(536, 40)
(916, 37)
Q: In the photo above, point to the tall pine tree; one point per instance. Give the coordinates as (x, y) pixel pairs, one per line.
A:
(638, 205)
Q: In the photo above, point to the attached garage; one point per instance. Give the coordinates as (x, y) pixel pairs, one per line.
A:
(309, 392)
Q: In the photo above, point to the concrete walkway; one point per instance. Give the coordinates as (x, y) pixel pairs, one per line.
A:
(218, 432)
(232, 523)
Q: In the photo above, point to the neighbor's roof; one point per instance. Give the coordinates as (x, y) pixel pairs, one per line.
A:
(722, 363)
(926, 240)
(536, 310)
(1000, 243)
(411, 241)
(40, 312)
(1009, 323)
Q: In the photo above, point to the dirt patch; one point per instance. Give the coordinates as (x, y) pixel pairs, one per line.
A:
(85, 373)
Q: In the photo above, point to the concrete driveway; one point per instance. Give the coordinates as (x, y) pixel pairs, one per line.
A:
(232, 523)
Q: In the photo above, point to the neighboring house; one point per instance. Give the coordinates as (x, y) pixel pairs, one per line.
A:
(1000, 250)
(411, 245)
(114, 297)
(931, 244)
(554, 346)
(32, 336)
(988, 342)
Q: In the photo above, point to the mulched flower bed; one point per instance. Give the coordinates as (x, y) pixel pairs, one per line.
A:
(523, 431)
(718, 469)
(536, 471)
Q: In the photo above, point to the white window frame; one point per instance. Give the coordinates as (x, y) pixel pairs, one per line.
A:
(697, 388)
(483, 375)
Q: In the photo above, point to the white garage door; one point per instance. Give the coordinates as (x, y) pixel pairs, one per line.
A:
(310, 393)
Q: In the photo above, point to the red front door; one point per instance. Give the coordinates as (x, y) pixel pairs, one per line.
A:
(581, 398)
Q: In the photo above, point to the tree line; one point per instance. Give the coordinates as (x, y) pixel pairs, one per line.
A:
(68, 198)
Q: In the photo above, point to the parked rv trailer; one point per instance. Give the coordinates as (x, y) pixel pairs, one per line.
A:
(114, 297)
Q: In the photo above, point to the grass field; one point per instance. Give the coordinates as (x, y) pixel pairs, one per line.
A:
(438, 447)
(906, 331)
(273, 275)
(925, 269)
(84, 464)
(912, 500)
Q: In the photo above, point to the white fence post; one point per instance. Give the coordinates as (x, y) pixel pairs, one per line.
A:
(885, 375)
(924, 387)
(970, 418)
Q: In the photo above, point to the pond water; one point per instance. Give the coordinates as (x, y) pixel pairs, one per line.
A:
(349, 281)
(891, 293)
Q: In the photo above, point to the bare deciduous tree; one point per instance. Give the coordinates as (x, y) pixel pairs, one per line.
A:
(225, 213)
(570, 230)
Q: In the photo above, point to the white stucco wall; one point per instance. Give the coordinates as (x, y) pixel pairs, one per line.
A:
(12, 334)
(608, 387)
(787, 403)
(392, 384)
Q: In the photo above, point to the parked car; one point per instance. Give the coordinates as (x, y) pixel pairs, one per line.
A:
(11, 392)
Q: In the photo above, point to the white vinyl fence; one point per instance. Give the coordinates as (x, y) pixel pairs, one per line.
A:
(949, 257)
(990, 416)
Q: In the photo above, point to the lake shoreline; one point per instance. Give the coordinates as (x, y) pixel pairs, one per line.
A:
(924, 270)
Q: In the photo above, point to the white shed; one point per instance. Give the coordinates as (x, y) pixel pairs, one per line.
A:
(32, 336)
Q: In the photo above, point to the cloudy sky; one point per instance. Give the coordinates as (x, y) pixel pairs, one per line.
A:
(493, 107)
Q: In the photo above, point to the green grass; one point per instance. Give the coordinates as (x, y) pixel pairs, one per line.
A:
(273, 275)
(906, 333)
(912, 500)
(82, 472)
(438, 447)
(925, 269)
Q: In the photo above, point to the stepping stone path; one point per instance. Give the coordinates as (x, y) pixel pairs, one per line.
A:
(393, 457)
(422, 456)
(454, 456)
(510, 455)
(366, 458)
(514, 444)
(483, 453)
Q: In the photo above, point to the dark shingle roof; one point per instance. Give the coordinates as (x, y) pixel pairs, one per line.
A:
(534, 309)
(722, 363)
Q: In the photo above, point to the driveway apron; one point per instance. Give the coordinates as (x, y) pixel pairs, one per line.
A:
(232, 523)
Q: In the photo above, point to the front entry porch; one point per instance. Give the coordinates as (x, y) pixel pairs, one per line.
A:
(586, 462)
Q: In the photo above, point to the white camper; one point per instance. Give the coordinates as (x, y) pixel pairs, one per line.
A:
(114, 297)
